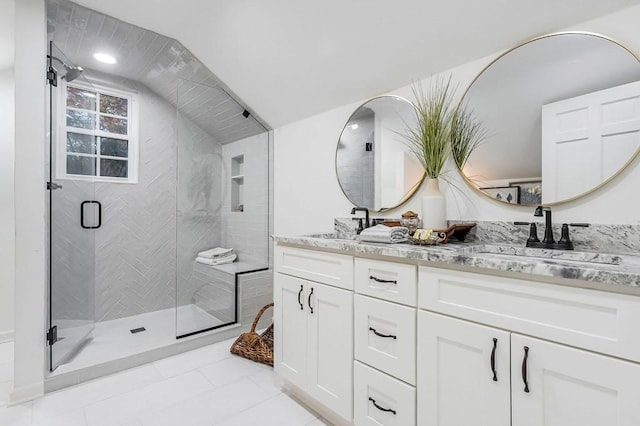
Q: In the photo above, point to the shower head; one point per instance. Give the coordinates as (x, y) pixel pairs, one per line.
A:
(71, 73)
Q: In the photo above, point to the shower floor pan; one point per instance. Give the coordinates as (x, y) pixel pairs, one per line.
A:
(112, 347)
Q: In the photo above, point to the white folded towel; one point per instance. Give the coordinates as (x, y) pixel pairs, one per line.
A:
(217, 261)
(215, 253)
(385, 234)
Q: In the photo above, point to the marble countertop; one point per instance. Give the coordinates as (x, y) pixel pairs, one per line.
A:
(603, 271)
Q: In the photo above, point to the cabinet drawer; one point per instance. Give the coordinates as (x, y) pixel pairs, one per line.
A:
(385, 336)
(595, 320)
(395, 282)
(374, 396)
(328, 268)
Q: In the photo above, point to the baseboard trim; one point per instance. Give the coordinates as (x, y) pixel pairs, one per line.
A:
(26, 393)
(314, 406)
(6, 336)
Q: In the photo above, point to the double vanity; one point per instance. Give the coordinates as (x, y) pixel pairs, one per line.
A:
(504, 330)
(457, 334)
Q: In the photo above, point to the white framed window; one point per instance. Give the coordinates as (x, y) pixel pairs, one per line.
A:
(98, 134)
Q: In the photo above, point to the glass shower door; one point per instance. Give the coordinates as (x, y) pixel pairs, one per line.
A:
(74, 213)
(222, 206)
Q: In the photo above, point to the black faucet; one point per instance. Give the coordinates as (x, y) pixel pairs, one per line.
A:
(548, 230)
(366, 215)
(548, 241)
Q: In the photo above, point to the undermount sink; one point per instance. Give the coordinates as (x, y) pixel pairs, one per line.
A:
(569, 255)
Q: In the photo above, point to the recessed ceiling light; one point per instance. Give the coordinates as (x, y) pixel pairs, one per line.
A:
(103, 57)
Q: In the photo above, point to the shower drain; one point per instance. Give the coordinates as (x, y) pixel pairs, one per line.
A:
(137, 330)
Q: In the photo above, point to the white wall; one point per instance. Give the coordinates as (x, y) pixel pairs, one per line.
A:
(30, 207)
(7, 221)
(304, 168)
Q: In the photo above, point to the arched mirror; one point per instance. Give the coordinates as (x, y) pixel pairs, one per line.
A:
(373, 165)
(563, 116)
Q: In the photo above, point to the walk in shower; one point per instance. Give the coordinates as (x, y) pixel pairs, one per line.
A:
(152, 161)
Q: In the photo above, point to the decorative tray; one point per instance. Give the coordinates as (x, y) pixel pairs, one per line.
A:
(458, 231)
(434, 238)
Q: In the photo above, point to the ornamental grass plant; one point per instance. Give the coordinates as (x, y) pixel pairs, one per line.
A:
(443, 130)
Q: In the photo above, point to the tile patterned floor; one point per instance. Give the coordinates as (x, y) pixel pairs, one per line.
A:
(207, 386)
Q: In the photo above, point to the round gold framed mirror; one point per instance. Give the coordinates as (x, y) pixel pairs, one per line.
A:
(374, 168)
(562, 113)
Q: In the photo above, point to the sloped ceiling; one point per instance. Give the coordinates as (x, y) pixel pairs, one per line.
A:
(290, 59)
(162, 64)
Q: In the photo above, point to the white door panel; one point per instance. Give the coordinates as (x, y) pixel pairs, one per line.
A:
(587, 139)
(568, 386)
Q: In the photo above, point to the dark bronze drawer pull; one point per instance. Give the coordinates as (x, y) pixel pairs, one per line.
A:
(386, 410)
(300, 294)
(380, 280)
(309, 301)
(524, 369)
(493, 359)
(390, 336)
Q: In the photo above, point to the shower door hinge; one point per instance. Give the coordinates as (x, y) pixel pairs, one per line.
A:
(52, 335)
(52, 77)
(52, 185)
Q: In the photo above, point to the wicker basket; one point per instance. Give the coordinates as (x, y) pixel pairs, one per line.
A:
(254, 346)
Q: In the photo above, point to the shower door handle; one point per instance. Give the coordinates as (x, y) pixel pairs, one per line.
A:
(84, 203)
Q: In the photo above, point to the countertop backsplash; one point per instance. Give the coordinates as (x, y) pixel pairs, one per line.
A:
(603, 238)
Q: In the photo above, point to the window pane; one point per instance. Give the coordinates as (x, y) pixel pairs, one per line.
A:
(113, 125)
(77, 142)
(113, 105)
(79, 98)
(77, 165)
(114, 168)
(81, 119)
(114, 147)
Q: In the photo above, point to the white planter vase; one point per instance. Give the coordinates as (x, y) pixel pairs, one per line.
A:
(434, 207)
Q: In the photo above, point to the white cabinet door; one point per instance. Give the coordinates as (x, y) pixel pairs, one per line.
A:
(290, 328)
(568, 386)
(330, 347)
(456, 382)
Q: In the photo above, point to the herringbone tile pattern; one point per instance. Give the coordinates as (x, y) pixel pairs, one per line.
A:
(72, 279)
(135, 248)
(152, 230)
(247, 231)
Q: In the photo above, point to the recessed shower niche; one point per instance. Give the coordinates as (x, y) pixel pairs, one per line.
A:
(144, 148)
(237, 183)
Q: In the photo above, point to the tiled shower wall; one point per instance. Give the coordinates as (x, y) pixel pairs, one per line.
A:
(199, 220)
(133, 265)
(135, 249)
(246, 231)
